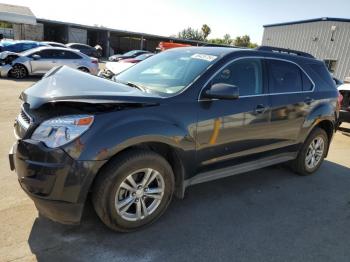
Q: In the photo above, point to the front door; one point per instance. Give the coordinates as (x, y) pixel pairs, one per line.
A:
(228, 129)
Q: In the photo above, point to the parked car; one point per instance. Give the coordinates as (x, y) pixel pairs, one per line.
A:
(19, 46)
(344, 115)
(86, 49)
(137, 59)
(130, 54)
(54, 44)
(179, 118)
(114, 68)
(40, 60)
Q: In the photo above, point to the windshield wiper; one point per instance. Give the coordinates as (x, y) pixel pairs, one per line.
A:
(131, 84)
(135, 86)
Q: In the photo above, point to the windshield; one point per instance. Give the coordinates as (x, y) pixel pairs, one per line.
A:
(169, 72)
(130, 53)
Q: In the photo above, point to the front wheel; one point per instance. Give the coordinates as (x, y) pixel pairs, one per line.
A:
(312, 153)
(18, 71)
(133, 190)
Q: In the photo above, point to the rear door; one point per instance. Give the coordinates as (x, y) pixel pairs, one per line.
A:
(291, 98)
(68, 58)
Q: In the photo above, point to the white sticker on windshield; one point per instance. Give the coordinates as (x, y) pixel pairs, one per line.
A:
(208, 58)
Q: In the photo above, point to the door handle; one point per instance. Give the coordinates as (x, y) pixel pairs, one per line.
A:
(308, 100)
(259, 109)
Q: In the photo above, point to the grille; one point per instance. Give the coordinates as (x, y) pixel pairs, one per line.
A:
(25, 117)
(24, 120)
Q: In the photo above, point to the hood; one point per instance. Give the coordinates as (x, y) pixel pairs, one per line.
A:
(63, 84)
(118, 67)
(5, 54)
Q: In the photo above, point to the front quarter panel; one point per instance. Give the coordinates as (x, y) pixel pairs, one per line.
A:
(115, 131)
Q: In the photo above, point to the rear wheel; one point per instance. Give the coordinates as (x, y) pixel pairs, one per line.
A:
(133, 190)
(312, 153)
(18, 71)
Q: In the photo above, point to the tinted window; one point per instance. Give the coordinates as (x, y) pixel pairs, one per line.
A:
(284, 77)
(307, 84)
(246, 74)
(69, 55)
(323, 74)
(46, 54)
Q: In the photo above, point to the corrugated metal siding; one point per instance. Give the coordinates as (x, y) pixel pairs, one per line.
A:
(315, 38)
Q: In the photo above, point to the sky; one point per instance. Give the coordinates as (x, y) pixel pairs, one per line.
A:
(166, 17)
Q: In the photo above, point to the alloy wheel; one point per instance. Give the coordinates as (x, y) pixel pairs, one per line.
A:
(140, 194)
(314, 152)
(18, 72)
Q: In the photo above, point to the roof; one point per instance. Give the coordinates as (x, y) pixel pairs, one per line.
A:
(17, 14)
(321, 19)
(125, 32)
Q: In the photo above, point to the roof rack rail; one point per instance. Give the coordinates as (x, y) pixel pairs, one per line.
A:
(284, 50)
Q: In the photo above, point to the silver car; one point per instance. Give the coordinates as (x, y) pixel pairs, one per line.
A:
(40, 60)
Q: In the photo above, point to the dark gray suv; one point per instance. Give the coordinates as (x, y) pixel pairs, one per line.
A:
(182, 117)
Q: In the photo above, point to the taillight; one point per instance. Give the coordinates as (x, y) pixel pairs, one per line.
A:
(94, 62)
(340, 100)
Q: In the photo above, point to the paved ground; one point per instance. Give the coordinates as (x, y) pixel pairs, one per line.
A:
(265, 215)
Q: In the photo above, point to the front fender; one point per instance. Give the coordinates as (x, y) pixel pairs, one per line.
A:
(110, 135)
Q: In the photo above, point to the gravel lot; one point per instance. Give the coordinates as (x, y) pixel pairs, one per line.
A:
(265, 215)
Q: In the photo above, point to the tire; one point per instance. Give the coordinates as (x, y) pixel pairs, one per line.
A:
(84, 69)
(18, 71)
(110, 192)
(302, 165)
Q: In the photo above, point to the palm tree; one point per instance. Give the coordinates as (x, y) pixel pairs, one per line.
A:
(206, 30)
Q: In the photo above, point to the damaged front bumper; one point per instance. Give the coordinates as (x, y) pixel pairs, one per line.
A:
(56, 183)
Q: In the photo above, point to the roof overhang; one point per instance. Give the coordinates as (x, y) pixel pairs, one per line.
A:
(17, 14)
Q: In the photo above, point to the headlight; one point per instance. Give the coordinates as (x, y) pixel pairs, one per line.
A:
(58, 131)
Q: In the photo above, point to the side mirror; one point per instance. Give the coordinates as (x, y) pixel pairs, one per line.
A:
(36, 57)
(222, 91)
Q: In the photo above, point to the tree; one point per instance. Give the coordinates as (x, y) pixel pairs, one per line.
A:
(244, 41)
(227, 39)
(191, 34)
(206, 31)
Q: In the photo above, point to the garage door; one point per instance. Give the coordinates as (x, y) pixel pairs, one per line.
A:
(77, 35)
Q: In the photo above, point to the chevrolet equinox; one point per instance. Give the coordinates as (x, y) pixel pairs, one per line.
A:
(182, 117)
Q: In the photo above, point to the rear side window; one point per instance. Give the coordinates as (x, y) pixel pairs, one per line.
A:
(246, 74)
(322, 73)
(69, 55)
(307, 84)
(284, 77)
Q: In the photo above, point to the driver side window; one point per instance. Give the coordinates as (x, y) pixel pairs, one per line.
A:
(246, 74)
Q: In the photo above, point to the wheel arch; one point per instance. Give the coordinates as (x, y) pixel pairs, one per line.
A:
(21, 64)
(167, 151)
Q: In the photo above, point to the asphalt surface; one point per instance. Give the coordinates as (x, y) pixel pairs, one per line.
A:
(265, 215)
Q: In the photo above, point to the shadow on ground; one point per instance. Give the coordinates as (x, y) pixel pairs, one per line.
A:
(269, 214)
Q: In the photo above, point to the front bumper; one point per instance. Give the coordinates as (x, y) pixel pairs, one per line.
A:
(344, 116)
(56, 183)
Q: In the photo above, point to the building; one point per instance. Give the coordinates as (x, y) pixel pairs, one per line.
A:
(18, 22)
(325, 38)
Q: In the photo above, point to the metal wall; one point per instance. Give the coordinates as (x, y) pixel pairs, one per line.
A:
(315, 38)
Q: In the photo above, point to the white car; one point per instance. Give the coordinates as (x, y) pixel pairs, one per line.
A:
(40, 60)
(344, 113)
(114, 68)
